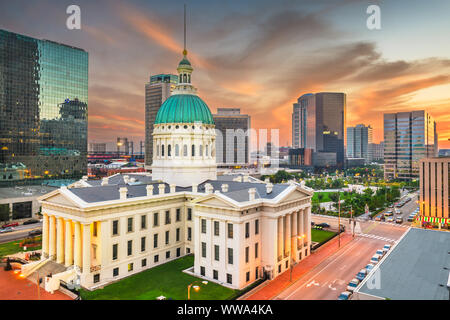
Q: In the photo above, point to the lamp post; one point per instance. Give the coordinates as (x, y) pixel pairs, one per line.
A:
(339, 220)
(196, 288)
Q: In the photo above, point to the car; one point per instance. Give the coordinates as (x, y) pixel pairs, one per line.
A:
(345, 295)
(389, 219)
(33, 233)
(387, 247)
(379, 217)
(369, 266)
(388, 213)
(31, 221)
(361, 274)
(352, 285)
(375, 259)
(399, 220)
(12, 224)
(323, 225)
(380, 252)
(391, 206)
(410, 218)
(397, 211)
(7, 229)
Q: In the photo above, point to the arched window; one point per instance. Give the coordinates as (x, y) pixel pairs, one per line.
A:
(200, 152)
(181, 78)
(184, 78)
(193, 150)
(189, 78)
(157, 150)
(162, 150)
(177, 150)
(185, 151)
(169, 150)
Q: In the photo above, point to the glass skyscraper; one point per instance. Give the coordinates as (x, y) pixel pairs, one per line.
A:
(359, 141)
(43, 108)
(408, 138)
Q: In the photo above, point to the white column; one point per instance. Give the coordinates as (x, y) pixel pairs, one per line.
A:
(294, 236)
(86, 248)
(300, 228)
(308, 232)
(60, 241)
(280, 237)
(77, 245)
(45, 235)
(52, 238)
(68, 242)
(287, 234)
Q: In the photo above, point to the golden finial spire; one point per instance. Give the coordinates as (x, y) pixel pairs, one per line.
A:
(184, 50)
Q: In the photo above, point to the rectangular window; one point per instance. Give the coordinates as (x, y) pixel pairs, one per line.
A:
(203, 249)
(247, 229)
(189, 214)
(155, 240)
(156, 219)
(130, 224)
(215, 275)
(178, 234)
(115, 249)
(247, 276)
(202, 271)
(130, 247)
(256, 273)
(247, 250)
(95, 225)
(167, 254)
(143, 222)
(130, 267)
(256, 250)
(115, 272)
(203, 225)
(229, 278)
(230, 256)
(96, 278)
(189, 235)
(156, 258)
(144, 262)
(178, 217)
(167, 217)
(216, 228)
(257, 226)
(216, 252)
(142, 244)
(167, 237)
(178, 252)
(230, 231)
(115, 229)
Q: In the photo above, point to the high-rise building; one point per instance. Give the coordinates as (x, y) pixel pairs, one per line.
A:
(359, 140)
(434, 190)
(232, 139)
(157, 90)
(319, 122)
(43, 107)
(377, 151)
(408, 138)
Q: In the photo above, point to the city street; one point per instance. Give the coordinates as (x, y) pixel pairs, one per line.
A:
(328, 279)
(19, 232)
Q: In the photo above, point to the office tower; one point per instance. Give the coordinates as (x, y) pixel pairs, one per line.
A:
(232, 144)
(157, 90)
(318, 123)
(408, 137)
(359, 141)
(97, 147)
(434, 190)
(43, 107)
(377, 151)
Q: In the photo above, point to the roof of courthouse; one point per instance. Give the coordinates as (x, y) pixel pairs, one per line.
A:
(238, 191)
(417, 268)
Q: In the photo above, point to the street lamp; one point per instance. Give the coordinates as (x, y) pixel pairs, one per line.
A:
(196, 288)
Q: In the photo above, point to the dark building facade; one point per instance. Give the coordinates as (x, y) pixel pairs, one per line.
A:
(43, 107)
(319, 122)
(157, 90)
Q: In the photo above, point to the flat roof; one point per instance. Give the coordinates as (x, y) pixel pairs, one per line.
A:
(417, 268)
(25, 191)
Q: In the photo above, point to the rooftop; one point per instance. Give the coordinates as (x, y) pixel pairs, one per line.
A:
(25, 191)
(416, 269)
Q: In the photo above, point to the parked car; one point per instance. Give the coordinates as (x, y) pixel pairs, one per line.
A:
(389, 219)
(34, 233)
(375, 259)
(352, 285)
(379, 217)
(386, 248)
(7, 229)
(31, 221)
(397, 211)
(380, 252)
(12, 224)
(323, 225)
(369, 267)
(411, 218)
(399, 220)
(345, 295)
(361, 274)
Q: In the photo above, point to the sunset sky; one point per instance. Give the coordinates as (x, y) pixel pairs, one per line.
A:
(257, 55)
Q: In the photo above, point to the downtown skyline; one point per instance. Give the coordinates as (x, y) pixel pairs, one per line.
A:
(257, 56)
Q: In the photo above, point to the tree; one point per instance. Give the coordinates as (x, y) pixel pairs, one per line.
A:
(320, 196)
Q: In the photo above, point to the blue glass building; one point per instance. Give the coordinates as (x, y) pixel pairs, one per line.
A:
(43, 108)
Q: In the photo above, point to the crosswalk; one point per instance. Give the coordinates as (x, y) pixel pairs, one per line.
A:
(372, 236)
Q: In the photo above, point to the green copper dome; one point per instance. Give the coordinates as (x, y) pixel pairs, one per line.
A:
(184, 62)
(184, 108)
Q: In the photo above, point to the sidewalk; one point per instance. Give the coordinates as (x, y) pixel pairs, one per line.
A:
(279, 284)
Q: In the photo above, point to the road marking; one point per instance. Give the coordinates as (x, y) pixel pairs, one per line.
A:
(313, 283)
(372, 236)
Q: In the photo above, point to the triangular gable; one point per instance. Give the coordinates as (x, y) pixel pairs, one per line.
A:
(57, 197)
(215, 201)
(296, 194)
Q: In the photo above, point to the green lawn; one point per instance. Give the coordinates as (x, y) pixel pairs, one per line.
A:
(167, 280)
(321, 235)
(13, 247)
